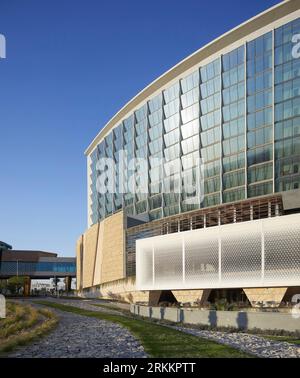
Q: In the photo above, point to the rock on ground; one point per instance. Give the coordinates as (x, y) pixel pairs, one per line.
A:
(78, 336)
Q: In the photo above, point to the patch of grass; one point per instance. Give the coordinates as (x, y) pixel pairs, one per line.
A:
(158, 340)
(72, 298)
(24, 324)
(19, 318)
(109, 307)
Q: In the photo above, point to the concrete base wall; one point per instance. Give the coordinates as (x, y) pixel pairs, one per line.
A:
(232, 319)
(123, 290)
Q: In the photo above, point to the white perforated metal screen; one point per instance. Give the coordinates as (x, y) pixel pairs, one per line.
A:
(259, 253)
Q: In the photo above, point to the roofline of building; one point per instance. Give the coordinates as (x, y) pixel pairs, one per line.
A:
(259, 21)
(3, 244)
(32, 251)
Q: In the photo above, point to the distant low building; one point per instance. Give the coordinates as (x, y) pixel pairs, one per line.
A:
(35, 265)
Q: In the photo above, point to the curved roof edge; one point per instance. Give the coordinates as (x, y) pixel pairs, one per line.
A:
(259, 21)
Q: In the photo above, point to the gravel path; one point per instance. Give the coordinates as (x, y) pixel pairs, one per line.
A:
(79, 336)
(256, 345)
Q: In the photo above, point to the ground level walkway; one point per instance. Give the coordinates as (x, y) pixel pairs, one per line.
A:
(82, 336)
(78, 336)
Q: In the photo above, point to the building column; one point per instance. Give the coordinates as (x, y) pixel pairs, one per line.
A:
(27, 286)
(68, 283)
(154, 296)
(192, 296)
(265, 297)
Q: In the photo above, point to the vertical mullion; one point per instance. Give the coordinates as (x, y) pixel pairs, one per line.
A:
(273, 104)
(122, 166)
(180, 149)
(200, 194)
(113, 207)
(162, 168)
(148, 157)
(134, 157)
(163, 132)
(246, 123)
(221, 130)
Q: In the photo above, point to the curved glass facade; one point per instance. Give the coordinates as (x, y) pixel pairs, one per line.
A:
(239, 113)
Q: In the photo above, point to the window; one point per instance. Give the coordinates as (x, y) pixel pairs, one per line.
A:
(234, 195)
(210, 137)
(260, 155)
(234, 179)
(190, 98)
(260, 137)
(260, 189)
(171, 93)
(233, 128)
(210, 70)
(190, 129)
(190, 82)
(260, 173)
(189, 145)
(233, 145)
(233, 162)
(190, 113)
(212, 185)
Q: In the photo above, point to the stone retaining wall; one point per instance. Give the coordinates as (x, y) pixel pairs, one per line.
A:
(122, 290)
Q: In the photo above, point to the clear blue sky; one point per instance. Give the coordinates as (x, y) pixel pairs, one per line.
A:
(71, 64)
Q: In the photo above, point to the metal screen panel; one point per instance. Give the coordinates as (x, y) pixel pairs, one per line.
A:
(145, 278)
(241, 253)
(282, 251)
(259, 253)
(201, 257)
(168, 260)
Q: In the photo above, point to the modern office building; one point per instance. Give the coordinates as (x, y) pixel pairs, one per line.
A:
(225, 122)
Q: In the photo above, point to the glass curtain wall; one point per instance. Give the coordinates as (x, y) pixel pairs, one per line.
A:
(141, 160)
(240, 114)
(93, 188)
(155, 155)
(129, 147)
(172, 150)
(210, 133)
(190, 141)
(287, 109)
(260, 115)
(233, 128)
(119, 161)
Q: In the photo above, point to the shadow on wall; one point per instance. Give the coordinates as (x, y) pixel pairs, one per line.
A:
(212, 318)
(181, 315)
(242, 320)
